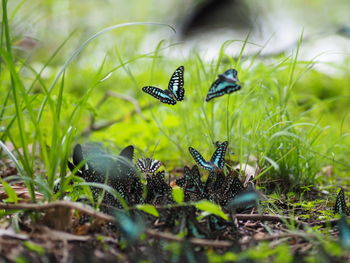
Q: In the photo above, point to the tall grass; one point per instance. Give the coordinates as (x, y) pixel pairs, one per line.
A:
(43, 126)
(262, 120)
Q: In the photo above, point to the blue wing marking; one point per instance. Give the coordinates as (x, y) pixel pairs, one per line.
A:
(175, 91)
(176, 83)
(218, 158)
(162, 95)
(200, 160)
(226, 83)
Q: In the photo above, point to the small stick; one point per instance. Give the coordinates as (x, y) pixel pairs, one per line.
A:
(78, 206)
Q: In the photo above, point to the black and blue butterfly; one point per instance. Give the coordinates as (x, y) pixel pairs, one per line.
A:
(147, 165)
(191, 184)
(216, 162)
(175, 91)
(340, 204)
(231, 187)
(96, 165)
(225, 84)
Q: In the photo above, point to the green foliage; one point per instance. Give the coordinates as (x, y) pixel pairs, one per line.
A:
(150, 209)
(211, 208)
(34, 247)
(264, 253)
(178, 194)
(226, 257)
(12, 196)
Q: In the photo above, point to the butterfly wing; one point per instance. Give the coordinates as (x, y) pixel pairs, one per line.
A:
(124, 159)
(199, 159)
(226, 83)
(128, 152)
(154, 165)
(77, 155)
(176, 84)
(229, 76)
(164, 96)
(197, 177)
(142, 164)
(340, 204)
(191, 184)
(221, 87)
(148, 165)
(218, 158)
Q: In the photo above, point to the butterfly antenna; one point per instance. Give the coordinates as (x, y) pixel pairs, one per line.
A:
(154, 149)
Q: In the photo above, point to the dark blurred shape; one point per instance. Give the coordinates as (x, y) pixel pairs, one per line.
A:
(131, 227)
(344, 232)
(244, 200)
(344, 31)
(214, 14)
(95, 164)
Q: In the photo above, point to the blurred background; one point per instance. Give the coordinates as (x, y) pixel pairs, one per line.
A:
(204, 24)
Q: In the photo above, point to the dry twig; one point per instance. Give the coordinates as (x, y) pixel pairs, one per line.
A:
(138, 110)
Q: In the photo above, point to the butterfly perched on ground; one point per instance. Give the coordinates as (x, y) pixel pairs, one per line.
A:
(147, 165)
(216, 162)
(175, 91)
(230, 188)
(225, 84)
(340, 204)
(191, 183)
(96, 165)
(158, 190)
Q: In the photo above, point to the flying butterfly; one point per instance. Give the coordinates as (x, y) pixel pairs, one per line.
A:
(216, 162)
(340, 204)
(147, 165)
(226, 83)
(175, 91)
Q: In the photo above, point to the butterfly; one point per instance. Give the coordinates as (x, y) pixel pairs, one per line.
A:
(213, 185)
(147, 165)
(93, 163)
(216, 162)
(225, 84)
(191, 184)
(175, 91)
(158, 191)
(230, 188)
(340, 204)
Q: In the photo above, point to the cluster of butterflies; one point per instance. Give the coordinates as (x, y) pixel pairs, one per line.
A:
(226, 83)
(96, 165)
